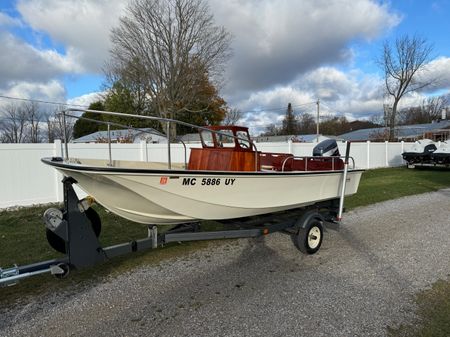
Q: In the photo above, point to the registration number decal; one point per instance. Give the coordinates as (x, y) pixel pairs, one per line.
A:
(208, 181)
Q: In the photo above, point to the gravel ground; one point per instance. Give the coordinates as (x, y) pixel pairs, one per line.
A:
(362, 280)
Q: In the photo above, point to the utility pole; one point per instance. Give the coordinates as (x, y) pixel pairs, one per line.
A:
(317, 121)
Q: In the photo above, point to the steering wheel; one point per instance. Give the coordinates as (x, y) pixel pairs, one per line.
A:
(243, 145)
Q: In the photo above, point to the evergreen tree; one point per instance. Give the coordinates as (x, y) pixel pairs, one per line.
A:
(84, 127)
(290, 124)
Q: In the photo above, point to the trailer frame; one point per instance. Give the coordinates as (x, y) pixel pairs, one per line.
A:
(73, 228)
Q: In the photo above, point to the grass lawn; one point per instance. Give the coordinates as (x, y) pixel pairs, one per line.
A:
(22, 241)
(392, 183)
(433, 312)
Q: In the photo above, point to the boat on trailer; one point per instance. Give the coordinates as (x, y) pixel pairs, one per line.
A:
(442, 155)
(224, 179)
(227, 179)
(420, 153)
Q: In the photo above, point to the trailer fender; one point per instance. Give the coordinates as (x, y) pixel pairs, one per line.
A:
(303, 221)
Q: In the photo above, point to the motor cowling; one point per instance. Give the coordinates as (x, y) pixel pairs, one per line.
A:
(326, 148)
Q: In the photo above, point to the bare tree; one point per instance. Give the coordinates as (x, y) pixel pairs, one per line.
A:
(232, 116)
(163, 46)
(271, 130)
(33, 115)
(377, 119)
(430, 110)
(307, 124)
(401, 65)
(55, 126)
(13, 124)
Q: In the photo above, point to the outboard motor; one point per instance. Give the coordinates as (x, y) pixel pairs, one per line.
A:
(326, 148)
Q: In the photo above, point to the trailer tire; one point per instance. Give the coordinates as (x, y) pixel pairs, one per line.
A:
(66, 270)
(309, 238)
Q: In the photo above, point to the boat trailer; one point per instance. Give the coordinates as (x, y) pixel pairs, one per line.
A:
(74, 230)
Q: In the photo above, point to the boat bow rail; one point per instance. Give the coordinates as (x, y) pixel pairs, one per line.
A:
(214, 130)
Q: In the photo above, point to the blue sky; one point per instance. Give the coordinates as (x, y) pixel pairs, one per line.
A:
(429, 19)
(283, 51)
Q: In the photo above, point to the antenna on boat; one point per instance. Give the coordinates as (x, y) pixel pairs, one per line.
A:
(66, 146)
(317, 123)
(169, 156)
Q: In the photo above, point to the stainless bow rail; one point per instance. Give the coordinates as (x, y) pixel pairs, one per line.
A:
(68, 113)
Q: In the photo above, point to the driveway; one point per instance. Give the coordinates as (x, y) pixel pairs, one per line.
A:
(362, 280)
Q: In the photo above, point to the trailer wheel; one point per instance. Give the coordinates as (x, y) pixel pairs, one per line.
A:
(66, 270)
(58, 244)
(309, 239)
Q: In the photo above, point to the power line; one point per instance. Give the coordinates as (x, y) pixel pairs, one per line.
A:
(279, 108)
(86, 106)
(41, 101)
(332, 109)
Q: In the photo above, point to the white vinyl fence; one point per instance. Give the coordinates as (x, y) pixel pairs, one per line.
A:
(25, 180)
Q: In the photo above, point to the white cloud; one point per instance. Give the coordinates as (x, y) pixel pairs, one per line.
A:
(284, 51)
(276, 40)
(52, 91)
(20, 61)
(351, 94)
(437, 72)
(8, 21)
(82, 26)
(85, 100)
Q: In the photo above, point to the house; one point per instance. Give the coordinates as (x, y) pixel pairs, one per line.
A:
(437, 131)
(150, 135)
(294, 138)
(191, 138)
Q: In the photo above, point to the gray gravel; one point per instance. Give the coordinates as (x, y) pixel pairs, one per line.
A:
(362, 280)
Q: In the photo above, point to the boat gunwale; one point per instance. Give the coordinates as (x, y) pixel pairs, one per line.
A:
(106, 170)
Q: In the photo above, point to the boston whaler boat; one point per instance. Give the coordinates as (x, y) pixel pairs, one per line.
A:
(228, 180)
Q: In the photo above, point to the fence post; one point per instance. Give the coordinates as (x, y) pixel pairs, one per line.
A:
(57, 152)
(403, 150)
(290, 146)
(368, 154)
(386, 144)
(143, 150)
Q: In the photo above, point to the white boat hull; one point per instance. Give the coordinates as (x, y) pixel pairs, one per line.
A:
(176, 196)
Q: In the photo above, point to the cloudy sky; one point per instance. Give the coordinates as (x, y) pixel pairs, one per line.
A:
(284, 51)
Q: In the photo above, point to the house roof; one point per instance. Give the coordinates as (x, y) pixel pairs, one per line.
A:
(296, 138)
(191, 137)
(401, 132)
(116, 134)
